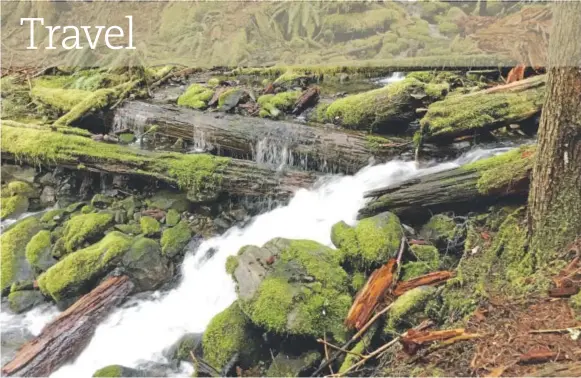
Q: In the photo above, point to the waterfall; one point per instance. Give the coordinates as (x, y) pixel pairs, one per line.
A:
(393, 78)
(139, 331)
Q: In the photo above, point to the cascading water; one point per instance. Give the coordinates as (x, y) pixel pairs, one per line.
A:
(139, 331)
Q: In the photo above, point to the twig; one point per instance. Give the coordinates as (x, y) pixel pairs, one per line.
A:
(327, 351)
(369, 356)
(559, 330)
(325, 343)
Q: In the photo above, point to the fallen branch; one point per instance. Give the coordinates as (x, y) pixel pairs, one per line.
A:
(430, 279)
(326, 343)
(414, 340)
(540, 356)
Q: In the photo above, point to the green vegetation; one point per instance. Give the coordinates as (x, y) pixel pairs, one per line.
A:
(228, 333)
(273, 105)
(60, 99)
(20, 301)
(82, 228)
(173, 240)
(172, 217)
(22, 188)
(196, 96)
(38, 252)
(69, 277)
(12, 248)
(231, 264)
(149, 226)
(358, 280)
(371, 242)
(13, 206)
(440, 229)
(428, 260)
(407, 305)
(111, 371)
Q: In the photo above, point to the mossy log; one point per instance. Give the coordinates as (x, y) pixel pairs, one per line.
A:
(502, 177)
(245, 138)
(203, 176)
(482, 111)
(63, 339)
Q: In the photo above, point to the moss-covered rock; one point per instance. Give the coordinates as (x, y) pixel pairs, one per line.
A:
(427, 260)
(229, 332)
(406, 306)
(440, 229)
(131, 228)
(20, 301)
(273, 105)
(52, 218)
(102, 201)
(13, 246)
(174, 240)
(81, 229)
(230, 98)
(298, 288)
(383, 110)
(358, 280)
(38, 252)
(196, 96)
(181, 349)
(145, 265)
(149, 226)
(15, 188)
(172, 217)
(165, 200)
(114, 371)
(13, 206)
(371, 242)
(74, 274)
(285, 365)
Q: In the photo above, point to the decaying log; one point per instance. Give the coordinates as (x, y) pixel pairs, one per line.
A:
(485, 110)
(63, 339)
(429, 279)
(540, 356)
(320, 148)
(378, 284)
(236, 177)
(308, 98)
(499, 178)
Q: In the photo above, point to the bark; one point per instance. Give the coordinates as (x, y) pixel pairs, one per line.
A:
(554, 211)
(430, 279)
(380, 281)
(320, 148)
(540, 356)
(64, 339)
(457, 189)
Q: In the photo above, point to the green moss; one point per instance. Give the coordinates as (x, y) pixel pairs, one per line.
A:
(38, 251)
(231, 264)
(20, 301)
(428, 260)
(70, 275)
(358, 349)
(214, 82)
(376, 143)
(371, 242)
(149, 226)
(13, 245)
(15, 188)
(172, 217)
(165, 200)
(132, 228)
(273, 303)
(111, 371)
(196, 96)
(53, 217)
(61, 99)
(228, 333)
(87, 209)
(407, 304)
(575, 303)
(448, 28)
(102, 201)
(38, 146)
(376, 109)
(457, 115)
(440, 229)
(13, 206)
(358, 280)
(224, 95)
(173, 240)
(274, 104)
(502, 170)
(319, 113)
(84, 227)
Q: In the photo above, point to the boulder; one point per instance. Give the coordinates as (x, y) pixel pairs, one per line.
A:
(13, 246)
(407, 309)
(285, 365)
(13, 206)
(75, 273)
(293, 287)
(180, 350)
(371, 242)
(81, 229)
(427, 259)
(172, 217)
(145, 265)
(149, 226)
(440, 230)
(53, 218)
(20, 301)
(38, 252)
(165, 200)
(101, 201)
(119, 371)
(174, 240)
(131, 228)
(48, 196)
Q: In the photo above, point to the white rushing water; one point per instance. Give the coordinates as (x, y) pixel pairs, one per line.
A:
(140, 331)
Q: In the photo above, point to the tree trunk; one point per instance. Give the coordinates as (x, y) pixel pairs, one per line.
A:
(554, 211)
(65, 338)
(308, 147)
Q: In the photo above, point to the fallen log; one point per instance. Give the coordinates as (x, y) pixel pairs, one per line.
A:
(501, 177)
(429, 279)
(482, 111)
(203, 176)
(378, 284)
(63, 339)
(319, 148)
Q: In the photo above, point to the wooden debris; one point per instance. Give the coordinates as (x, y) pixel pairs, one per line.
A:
(517, 73)
(563, 292)
(307, 99)
(379, 283)
(157, 214)
(413, 340)
(568, 281)
(430, 279)
(64, 338)
(537, 356)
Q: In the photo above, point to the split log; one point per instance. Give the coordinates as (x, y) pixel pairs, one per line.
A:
(203, 176)
(482, 111)
(500, 178)
(430, 279)
(378, 284)
(64, 339)
(319, 148)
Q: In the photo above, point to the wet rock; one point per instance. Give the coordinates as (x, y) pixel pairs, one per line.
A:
(12, 340)
(81, 229)
(48, 196)
(172, 218)
(440, 230)
(229, 99)
(149, 226)
(38, 252)
(101, 201)
(285, 365)
(119, 371)
(131, 228)
(180, 350)
(145, 264)
(303, 291)
(120, 216)
(13, 206)
(16, 172)
(166, 200)
(20, 301)
(174, 240)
